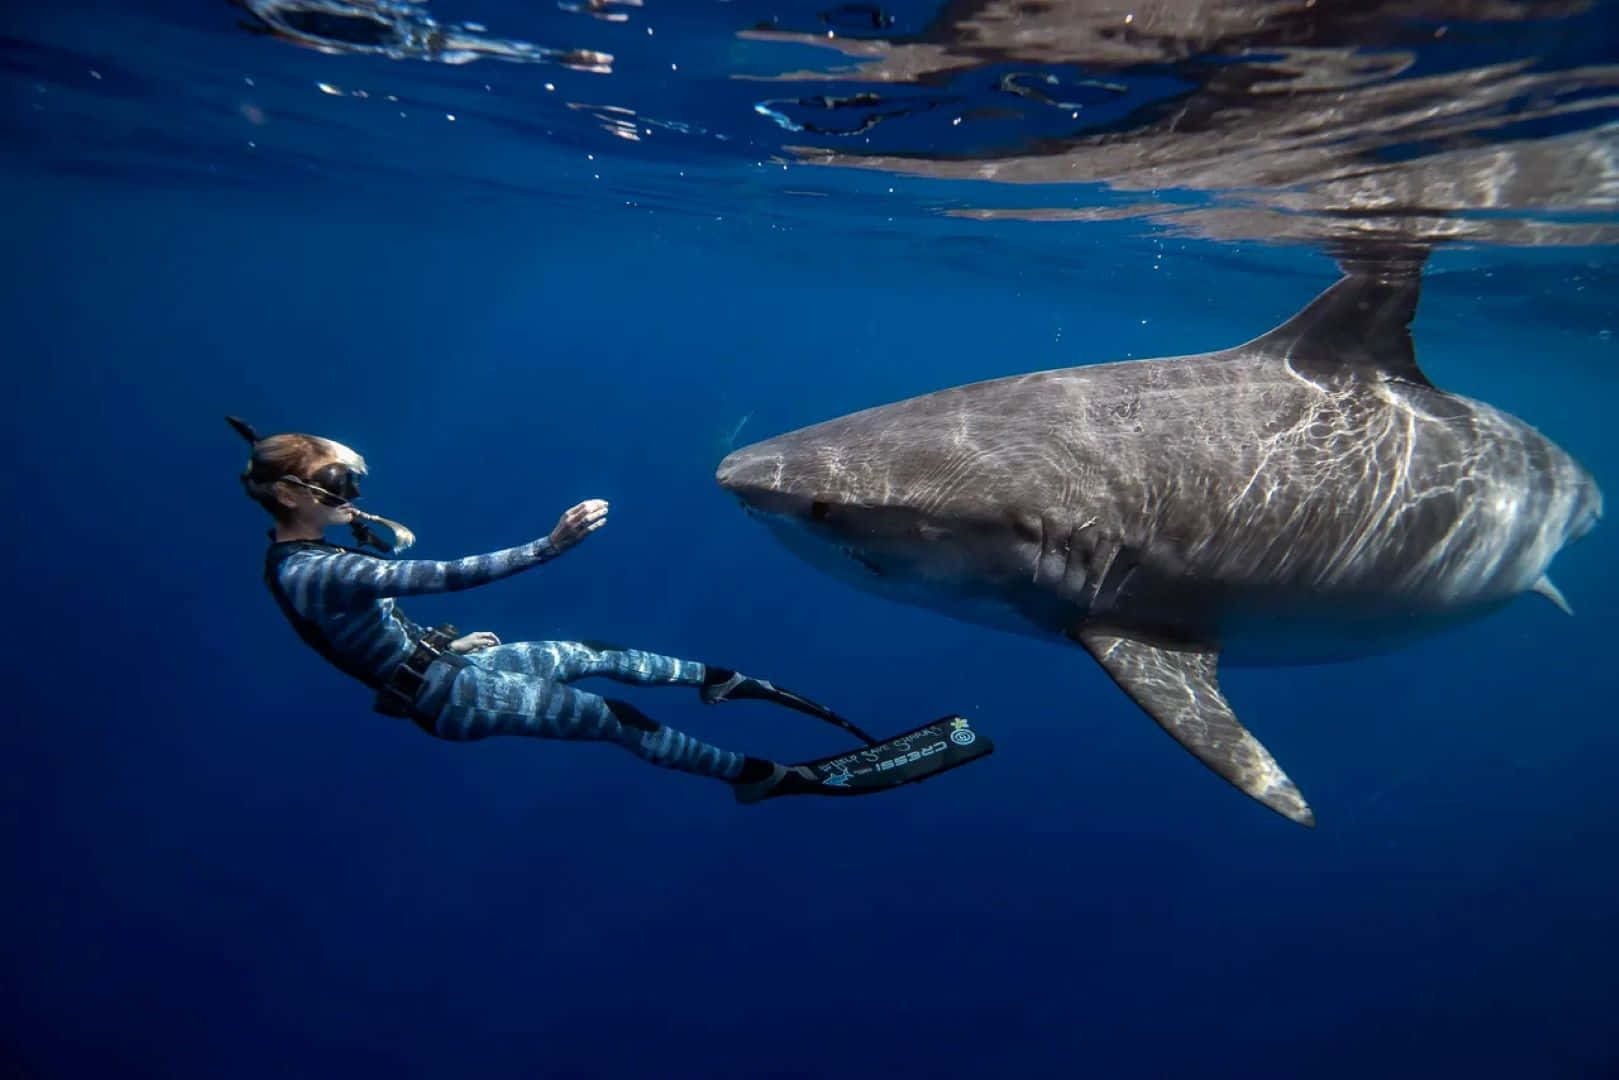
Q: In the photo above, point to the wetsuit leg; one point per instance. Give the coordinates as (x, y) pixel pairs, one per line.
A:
(576, 660)
(522, 657)
(568, 660)
(482, 702)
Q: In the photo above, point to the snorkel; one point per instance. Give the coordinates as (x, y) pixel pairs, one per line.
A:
(335, 485)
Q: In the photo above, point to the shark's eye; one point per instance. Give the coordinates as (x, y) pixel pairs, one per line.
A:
(819, 510)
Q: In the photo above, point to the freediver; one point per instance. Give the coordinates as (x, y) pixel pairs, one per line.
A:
(463, 687)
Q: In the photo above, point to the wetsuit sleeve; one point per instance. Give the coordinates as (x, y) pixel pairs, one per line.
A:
(342, 578)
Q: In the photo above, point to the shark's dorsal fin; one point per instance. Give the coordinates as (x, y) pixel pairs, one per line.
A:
(1361, 324)
(1180, 689)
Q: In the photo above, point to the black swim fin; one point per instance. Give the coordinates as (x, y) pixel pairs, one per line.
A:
(723, 684)
(909, 758)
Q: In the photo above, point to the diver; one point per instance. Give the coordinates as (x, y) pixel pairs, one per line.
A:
(464, 687)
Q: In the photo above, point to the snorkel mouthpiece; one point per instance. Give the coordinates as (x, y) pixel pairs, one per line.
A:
(400, 537)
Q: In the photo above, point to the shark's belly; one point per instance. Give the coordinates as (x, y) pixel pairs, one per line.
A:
(1262, 633)
(1330, 633)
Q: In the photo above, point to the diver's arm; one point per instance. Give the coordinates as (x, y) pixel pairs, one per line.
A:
(341, 578)
(335, 579)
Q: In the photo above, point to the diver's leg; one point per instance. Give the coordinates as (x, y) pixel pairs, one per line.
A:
(569, 660)
(521, 657)
(476, 702)
(582, 660)
(483, 702)
(577, 660)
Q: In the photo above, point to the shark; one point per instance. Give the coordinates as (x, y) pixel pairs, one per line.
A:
(1307, 496)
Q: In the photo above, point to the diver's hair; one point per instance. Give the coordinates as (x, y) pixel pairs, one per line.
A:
(300, 455)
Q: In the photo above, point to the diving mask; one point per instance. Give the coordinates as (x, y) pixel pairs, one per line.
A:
(333, 485)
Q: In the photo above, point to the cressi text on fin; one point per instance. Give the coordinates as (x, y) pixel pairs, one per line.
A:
(908, 758)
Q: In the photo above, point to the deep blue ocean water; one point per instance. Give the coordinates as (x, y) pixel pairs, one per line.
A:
(220, 863)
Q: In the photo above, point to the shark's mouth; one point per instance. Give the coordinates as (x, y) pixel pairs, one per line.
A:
(856, 556)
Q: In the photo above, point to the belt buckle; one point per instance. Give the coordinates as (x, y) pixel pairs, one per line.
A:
(438, 639)
(410, 676)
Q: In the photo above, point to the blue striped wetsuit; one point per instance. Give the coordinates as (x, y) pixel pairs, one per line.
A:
(341, 602)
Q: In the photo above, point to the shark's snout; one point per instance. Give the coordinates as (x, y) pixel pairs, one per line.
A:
(736, 471)
(758, 477)
(747, 475)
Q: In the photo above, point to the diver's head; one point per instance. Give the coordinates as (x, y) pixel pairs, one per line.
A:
(303, 478)
(307, 483)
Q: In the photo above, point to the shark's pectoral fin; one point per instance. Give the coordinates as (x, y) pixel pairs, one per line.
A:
(1181, 690)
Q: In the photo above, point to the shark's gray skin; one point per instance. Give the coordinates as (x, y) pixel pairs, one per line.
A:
(1309, 495)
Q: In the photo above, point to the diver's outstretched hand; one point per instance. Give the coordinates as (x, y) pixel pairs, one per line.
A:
(578, 523)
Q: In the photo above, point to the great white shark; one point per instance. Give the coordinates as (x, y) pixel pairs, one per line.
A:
(1309, 495)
